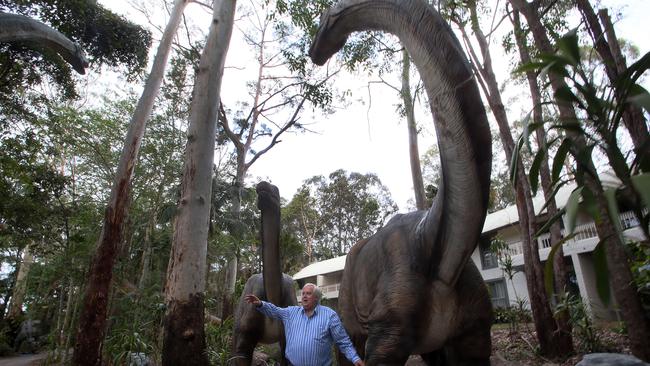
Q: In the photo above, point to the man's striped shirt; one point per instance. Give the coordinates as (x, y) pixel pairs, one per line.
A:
(310, 339)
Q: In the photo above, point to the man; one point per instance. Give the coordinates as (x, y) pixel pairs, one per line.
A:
(309, 329)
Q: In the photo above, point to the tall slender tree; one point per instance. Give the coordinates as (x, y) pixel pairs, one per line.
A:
(184, 336)
(279, 93)
(92, 321)
(555, 231)
(607, 46)
(552, 343)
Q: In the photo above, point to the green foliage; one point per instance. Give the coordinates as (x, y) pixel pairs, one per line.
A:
(217, 337)
(334, 213)
(135, 325)
(640, 265)
(514, 315)
(599, 113)
(30, 75)
(5, 343)
(502, 194)
(304, 15)
(585, 334)
(107, 38)
(499, 247)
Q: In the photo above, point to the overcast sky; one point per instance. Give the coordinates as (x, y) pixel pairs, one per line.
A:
(369, 138)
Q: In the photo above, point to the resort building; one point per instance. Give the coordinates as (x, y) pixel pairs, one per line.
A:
(504, 224)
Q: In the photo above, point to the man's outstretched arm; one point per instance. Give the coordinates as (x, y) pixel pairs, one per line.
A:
(265, 307)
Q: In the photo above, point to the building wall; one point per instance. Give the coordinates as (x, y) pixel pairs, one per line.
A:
(586, 276)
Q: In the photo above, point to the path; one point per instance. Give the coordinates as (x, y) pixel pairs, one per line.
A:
(23, 360)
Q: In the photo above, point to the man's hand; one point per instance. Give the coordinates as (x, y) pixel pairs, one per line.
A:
(359, 363)
(252, 299)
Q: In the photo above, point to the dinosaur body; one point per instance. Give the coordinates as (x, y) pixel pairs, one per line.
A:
(411, 288)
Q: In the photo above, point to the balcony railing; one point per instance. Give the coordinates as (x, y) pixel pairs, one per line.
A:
(585, 231)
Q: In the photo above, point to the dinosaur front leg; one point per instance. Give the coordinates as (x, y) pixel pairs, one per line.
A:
(244, 345)
(388, 344)
(473, 348)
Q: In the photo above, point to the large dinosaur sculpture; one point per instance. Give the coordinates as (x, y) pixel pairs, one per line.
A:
(251, 327)
(19, 28)
(411, 288)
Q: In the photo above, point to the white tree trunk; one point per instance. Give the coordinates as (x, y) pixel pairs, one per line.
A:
(184, 338)
(16, 305)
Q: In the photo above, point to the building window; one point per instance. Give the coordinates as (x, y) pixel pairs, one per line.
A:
(488, 257)
(498, 293)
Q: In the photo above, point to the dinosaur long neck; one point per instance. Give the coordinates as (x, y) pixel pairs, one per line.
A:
(271, 271)
(15, 27)
(449, 232)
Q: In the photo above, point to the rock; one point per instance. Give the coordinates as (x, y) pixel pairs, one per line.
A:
(138, 359)
(259, 358)
(598, 359)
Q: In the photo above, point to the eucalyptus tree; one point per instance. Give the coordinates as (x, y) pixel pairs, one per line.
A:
(301, 218)
(555, 231)
(93, 316)
(283, 87)
(184, 337)
(348, 207)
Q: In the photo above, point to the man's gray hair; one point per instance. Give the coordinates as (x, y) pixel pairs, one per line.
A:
(317, 292)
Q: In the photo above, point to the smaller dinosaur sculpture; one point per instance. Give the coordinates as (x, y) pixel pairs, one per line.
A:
(251, 327)
(19, 28)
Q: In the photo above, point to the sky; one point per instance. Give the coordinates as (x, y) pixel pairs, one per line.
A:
(368, 136)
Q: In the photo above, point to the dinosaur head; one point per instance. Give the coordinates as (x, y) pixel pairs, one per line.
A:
(268, 196)
(326, 43)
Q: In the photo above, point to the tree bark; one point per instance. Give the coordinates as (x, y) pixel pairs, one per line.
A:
(414, 151)
(609, 50)
(545, 325)
(229, 288)
(559, 264)
(67, 324)
(20, 286)
(184, 336)
(92, 320)
(619, 270)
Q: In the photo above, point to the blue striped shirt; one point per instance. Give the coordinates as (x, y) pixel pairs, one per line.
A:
(309, 339)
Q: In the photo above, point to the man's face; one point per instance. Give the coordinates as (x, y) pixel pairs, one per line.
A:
(309, 299)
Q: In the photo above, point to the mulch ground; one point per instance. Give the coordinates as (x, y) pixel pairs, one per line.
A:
(519, 348)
